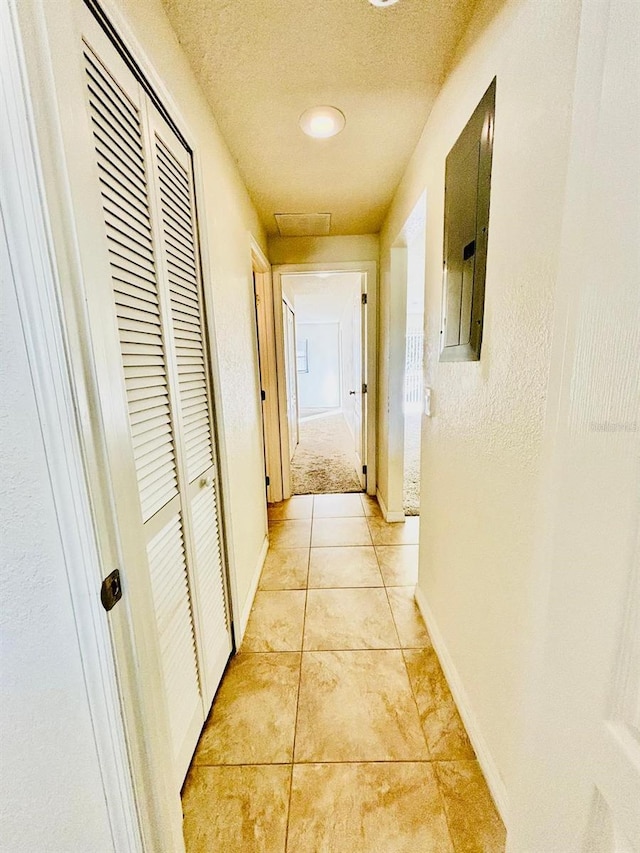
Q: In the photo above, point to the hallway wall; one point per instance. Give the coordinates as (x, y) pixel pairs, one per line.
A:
(323, 250)
(481, 449)
(319, 387)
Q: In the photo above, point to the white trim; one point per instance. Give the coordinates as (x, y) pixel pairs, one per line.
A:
(35, 278)
(390, 517)
(465, 707)
(369, 269)
(246, 612)
(395, 365)
(261, 262)
(267, 354)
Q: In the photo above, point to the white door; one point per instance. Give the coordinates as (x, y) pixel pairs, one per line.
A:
(143, 175)
(262, 381)
(358, 392)
(291, 373)
(586, 745)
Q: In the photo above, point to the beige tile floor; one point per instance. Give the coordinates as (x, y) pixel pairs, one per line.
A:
(334, 730)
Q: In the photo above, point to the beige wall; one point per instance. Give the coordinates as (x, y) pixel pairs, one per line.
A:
(323, 250)
(482, 448)
(227, 218)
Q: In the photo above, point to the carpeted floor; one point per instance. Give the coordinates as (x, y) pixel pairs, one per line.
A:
(324, 458)
(411, 497)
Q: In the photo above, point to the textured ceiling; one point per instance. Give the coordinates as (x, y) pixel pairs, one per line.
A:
(262, 63)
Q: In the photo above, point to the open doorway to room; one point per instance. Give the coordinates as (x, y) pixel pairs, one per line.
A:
(404, 343)
(413, 373)
(323, 352)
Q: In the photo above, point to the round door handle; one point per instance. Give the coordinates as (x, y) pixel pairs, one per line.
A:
(205, 482)
(352, 393)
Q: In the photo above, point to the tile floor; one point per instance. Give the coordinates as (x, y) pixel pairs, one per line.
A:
(334, 730)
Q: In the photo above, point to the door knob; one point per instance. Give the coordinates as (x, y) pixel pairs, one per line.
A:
(205, 482)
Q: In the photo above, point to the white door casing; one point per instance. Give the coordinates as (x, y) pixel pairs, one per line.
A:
(267, 369)
(291, 375)
(359, 360)
(368, 270)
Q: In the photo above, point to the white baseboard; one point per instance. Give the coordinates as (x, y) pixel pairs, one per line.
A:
(472, 725)
(246, 610)
(388, 516)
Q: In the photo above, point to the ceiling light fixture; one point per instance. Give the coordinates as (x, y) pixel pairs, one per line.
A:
(382, 3)
(322, 122)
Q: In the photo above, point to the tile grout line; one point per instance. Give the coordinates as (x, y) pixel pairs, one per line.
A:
(443, 805)
(432, 761)
(295, 725)
(404, 662)
(340, 763)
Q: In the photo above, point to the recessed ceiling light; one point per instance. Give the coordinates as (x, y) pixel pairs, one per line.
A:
(322, 122)
(382, 3)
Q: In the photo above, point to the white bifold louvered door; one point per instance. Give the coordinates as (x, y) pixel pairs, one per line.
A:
(145, 181)
(175, 213)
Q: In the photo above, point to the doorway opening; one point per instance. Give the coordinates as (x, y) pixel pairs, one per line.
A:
(403, 340)
(324, 377)
(413, 373)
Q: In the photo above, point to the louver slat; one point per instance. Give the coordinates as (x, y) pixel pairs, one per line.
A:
(178, 245)
(120, 159)
(213, 615)
(170, 589)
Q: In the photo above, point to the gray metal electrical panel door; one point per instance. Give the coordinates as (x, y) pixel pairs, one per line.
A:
(466, 231)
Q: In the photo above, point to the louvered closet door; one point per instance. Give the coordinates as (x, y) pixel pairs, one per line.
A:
(173, 181)
(169, 436)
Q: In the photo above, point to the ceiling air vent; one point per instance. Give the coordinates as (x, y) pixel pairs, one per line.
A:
(303, 224)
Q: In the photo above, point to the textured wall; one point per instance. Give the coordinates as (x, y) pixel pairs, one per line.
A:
(228, 218)
(481, 449)
(51, 795)
(319, 387)
(321, 250)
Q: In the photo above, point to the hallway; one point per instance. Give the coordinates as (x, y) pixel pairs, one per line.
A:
(334, 728)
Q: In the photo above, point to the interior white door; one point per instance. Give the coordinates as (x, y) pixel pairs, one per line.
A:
(358, 392)
(190, 375)
(289, 320)
(145, 184)
(587, 743)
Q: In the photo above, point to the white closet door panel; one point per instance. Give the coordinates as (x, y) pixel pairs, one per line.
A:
(140, 305)
(182, 269)
(144, 177)
(213, 612)
(178, 240)
(168, 569)
(119, 154)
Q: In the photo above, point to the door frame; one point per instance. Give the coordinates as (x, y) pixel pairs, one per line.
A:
(369, 272)
(398, 282)
(290, 370)
(265, 338)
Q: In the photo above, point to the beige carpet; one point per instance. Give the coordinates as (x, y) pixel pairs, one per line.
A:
(323, 461)
(412, 425)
